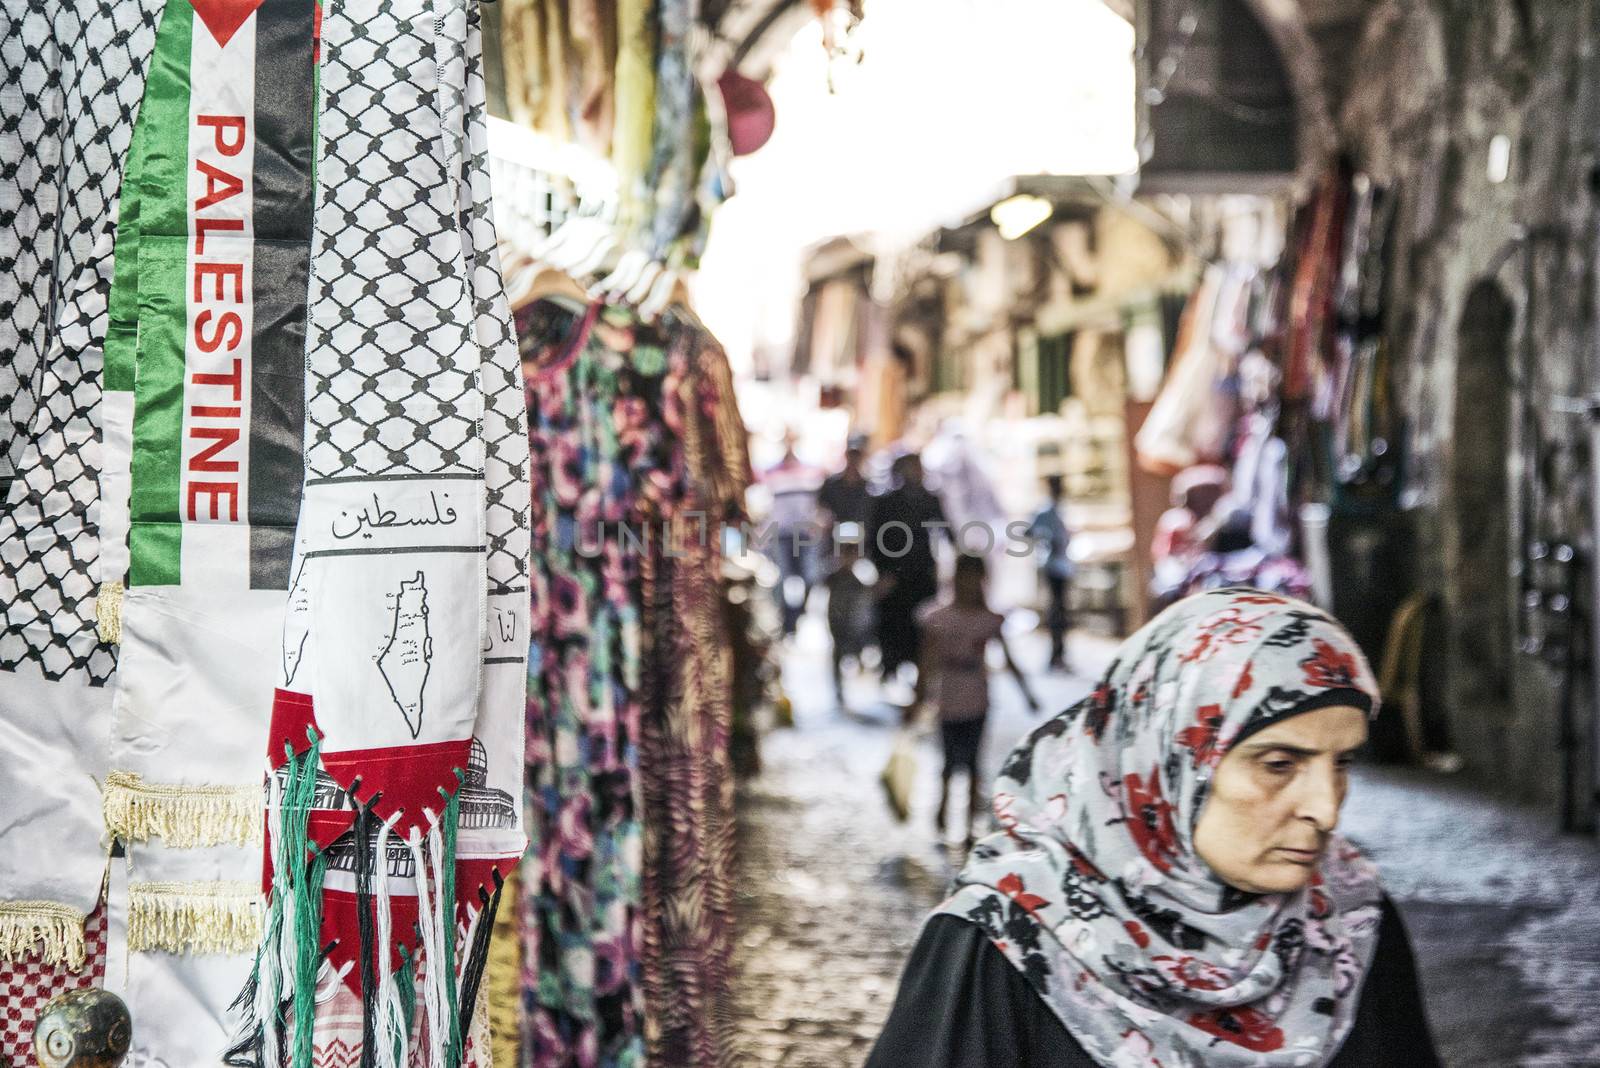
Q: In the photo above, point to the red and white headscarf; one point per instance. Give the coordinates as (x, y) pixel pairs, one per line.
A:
(1093, 888)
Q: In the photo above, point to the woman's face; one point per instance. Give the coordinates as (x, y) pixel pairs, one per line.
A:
(1275, 798)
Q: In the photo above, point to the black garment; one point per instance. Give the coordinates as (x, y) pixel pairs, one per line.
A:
(901, 542)
(962, 1005)
(900, 546)
(961, 739)
(1058, 619)
(848, 499)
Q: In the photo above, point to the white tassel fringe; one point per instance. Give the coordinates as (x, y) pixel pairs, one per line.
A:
(51, 931)
(194, 917)
(184, 817)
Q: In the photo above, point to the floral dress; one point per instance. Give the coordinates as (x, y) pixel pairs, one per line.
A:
(626, 901)
(592, 428)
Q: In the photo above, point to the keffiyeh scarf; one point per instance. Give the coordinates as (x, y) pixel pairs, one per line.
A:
(396, 736)
(1093, 889)
(71, 76)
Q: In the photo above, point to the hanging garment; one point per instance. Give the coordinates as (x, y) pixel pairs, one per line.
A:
(685, 748)
(1186, 424)
(396, 731)
(595, 433)
(674, 161)
(638, 455)
(1367, 446)
(1307, 356)
(71, 77)
(490, 843)
(204, 418)
(522, 45)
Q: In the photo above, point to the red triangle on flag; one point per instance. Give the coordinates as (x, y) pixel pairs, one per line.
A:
(224, 17)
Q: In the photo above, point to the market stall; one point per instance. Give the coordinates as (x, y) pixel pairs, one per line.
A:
(330, 456)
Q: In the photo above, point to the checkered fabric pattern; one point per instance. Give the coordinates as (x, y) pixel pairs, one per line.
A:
(26, 986)
(505, 420)
(30, 151)
(402, 399)
(71, 77)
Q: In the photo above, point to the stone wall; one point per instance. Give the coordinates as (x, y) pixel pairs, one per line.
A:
(1493, 323)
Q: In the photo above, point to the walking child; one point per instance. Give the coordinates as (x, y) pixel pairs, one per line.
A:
(954, 674)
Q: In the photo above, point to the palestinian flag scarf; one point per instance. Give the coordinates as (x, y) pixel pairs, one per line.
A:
(204, 416)
(396, 732)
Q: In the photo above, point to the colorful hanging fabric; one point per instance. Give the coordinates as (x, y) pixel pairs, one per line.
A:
(71, 76)
(686, 766)
(639, 457)
(204, 417)
(522, 46)
(596, 434)
(1186, 424)
(396, 731)
(672, 173)
(1311, 297)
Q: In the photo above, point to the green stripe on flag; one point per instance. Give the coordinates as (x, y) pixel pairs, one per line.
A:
(155, 532)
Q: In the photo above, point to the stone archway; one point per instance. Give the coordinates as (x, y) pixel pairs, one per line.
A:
(1285, 23)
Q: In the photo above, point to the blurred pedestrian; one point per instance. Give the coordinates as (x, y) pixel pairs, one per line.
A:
(845, 499)
(795, 530)
(1051, 542)
(900, 546)
(1166, 887)
(955, 675)
(849, 609)
(956, 471)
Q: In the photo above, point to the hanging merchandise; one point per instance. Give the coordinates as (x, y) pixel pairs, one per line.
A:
(682, 135)
(594, 38)
(396, 728)
(1185, 425)
(638, 457)
(204, 416)
(749, 110)
(1312, 294)
(582, 928)
(686, 736)
(71, 77)
(619, 83)
(632, 136)
(1368, 438)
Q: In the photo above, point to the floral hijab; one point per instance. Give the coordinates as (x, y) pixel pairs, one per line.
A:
(1093, 890)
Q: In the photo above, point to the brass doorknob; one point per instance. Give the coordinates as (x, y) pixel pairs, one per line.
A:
(82, 1029)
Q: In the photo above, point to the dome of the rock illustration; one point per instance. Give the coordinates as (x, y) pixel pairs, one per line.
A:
(477, 765)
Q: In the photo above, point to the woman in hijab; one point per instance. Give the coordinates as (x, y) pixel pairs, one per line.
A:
(1166, 889)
